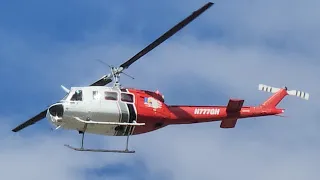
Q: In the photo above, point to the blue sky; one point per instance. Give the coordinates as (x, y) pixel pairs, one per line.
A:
(223, 54)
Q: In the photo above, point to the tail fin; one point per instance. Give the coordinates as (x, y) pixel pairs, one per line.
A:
(279, 94)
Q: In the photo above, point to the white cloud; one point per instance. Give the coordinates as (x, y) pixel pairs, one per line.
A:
(42, 155)
(271, 148)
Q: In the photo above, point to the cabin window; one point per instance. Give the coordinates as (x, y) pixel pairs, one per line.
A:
(77, 96)
(126, 97)
(95, 95)
(110, 95)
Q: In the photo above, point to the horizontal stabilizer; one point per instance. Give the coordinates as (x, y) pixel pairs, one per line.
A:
(229, 123)
(300, 94)
(234, 105)
(233, 109)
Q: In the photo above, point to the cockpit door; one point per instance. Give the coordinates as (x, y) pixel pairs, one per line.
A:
(76, 105)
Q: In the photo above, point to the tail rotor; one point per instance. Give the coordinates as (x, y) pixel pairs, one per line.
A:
(279, 94)
(300, 94)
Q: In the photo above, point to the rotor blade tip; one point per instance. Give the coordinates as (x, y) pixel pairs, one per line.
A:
(209, 4)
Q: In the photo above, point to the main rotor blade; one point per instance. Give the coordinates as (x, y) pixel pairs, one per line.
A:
(167, 35)
(31, 121)
(104, 80)
(101, 82)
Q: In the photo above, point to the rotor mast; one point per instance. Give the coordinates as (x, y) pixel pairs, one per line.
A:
(116, 76)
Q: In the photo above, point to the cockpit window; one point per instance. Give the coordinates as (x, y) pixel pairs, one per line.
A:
(77, 96)
(96, 95)
(110, 95)
(126, 97)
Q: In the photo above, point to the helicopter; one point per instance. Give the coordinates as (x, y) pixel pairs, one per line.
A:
(120, 111)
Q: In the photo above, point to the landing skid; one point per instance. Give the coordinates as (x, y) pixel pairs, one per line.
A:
(102, 150)
(99, 150)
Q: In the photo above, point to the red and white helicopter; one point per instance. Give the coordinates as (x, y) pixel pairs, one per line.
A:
(119, 111)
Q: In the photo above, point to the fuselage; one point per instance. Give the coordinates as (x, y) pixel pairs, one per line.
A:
(108, 104)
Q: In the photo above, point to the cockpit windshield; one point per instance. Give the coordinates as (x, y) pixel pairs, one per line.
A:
(77, 96)
(65, 97)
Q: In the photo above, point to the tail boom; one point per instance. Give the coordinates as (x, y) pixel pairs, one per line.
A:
(229, 115)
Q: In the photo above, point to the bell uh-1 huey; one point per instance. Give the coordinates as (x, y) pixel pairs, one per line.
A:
(120, 111)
